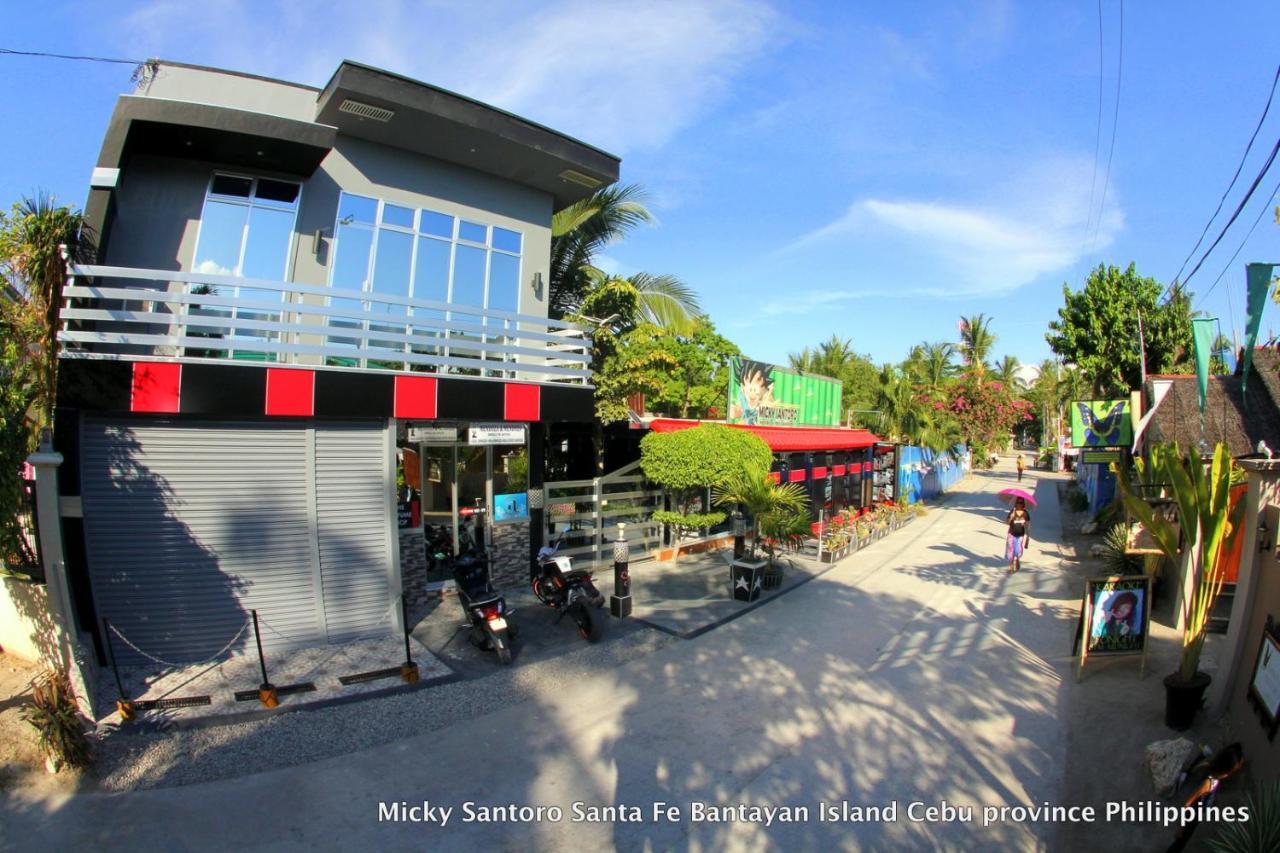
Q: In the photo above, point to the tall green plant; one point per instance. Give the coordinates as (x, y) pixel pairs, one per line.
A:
(771, 505)
(1203, 502)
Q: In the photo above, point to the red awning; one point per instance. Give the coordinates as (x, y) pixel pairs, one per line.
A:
(783, 439)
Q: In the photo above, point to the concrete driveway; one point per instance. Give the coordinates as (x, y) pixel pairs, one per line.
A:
(915, 672)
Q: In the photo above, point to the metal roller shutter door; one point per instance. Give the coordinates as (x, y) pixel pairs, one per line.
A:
(191, 525)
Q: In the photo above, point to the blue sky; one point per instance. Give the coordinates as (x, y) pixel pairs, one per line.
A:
(873, 171)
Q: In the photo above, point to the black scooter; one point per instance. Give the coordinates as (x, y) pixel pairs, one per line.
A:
(488, 617)
(567, 590)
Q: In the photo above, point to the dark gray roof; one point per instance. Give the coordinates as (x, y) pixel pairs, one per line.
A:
(1241, 424)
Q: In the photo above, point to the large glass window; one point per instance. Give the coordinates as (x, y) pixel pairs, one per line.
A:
(402, 253)
(246, 231)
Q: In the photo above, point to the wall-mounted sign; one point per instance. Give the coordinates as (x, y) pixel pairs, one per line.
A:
(1099, 457)
(433, 435)
(1264, 689)
(1114, 617)
(481, 435)
(1101, 423)
(512, 507)
(766, 394)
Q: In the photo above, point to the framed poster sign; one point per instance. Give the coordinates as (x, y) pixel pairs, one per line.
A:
(512, 507)
(1114, 617)
(1264, 687)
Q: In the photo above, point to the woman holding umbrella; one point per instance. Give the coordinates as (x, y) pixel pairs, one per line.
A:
(1018, 528)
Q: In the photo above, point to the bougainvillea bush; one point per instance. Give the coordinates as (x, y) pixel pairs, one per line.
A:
(986, 411)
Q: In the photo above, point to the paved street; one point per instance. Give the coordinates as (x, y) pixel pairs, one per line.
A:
(917, 670)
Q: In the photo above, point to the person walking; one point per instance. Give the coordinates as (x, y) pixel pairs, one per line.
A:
(1020, 466)
(1018, 526)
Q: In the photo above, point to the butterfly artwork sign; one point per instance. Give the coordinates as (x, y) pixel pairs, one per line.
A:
(1101, 423)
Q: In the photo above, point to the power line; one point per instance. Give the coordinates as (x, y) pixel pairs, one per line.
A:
(41, 54)
(1115, 121)
(1252, 187)
(1097, 136)
(1234, 177)
(1265, 208)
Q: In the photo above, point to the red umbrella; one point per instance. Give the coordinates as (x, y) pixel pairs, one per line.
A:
(1008, 496)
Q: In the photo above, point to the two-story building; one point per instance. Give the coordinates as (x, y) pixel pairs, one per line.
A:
(297, 293)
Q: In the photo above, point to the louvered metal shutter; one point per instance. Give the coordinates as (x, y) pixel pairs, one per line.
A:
(191, 525)
(353, 515)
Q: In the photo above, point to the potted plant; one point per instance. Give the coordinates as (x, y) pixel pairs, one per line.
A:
(1203, 502)
(779, 507)
(777, 529)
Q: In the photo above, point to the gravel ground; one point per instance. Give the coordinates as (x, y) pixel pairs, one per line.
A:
(137, 760)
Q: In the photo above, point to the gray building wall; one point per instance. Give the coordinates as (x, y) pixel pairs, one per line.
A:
(229, 89)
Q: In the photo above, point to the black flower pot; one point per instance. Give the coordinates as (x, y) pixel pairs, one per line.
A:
(747, 578)
(1182, 699)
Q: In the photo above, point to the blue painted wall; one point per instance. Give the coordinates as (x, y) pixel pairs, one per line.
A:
(923, 475)
(1098, 484)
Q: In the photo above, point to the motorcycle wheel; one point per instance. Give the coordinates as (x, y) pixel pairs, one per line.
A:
(501, 646)
(588, 626)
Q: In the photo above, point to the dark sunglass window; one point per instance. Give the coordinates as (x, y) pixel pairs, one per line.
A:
(231, 185)
(277, 191)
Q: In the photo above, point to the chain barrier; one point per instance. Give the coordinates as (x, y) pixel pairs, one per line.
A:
(164, 662)
(339, 649)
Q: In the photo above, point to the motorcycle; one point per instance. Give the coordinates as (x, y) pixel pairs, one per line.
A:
(488, 617)
(565, 589)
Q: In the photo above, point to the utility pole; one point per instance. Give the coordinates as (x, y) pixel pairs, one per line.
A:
(1142, 354)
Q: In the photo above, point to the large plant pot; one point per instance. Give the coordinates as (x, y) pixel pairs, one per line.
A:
(748, 578)
(1182, 699)
(773, 577)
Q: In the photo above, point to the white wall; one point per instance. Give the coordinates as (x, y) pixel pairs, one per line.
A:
(25, 625)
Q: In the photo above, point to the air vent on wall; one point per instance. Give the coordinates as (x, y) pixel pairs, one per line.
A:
(365, 110)
(580, 179)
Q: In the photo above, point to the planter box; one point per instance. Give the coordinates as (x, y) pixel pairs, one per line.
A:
(834, 555)
(748, 578)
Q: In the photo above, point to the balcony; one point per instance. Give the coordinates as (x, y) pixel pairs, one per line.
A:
(125, 313)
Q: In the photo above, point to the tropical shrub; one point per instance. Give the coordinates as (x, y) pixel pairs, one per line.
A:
(54, 714)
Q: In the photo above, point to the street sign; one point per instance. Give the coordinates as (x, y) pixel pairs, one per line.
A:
(481, 435)
(433, 435)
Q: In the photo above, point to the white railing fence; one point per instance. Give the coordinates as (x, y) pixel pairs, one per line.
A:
(115, 312)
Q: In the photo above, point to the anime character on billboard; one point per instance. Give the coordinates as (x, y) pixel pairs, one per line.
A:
(755, 389)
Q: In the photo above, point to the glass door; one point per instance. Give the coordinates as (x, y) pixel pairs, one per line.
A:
(439, 496)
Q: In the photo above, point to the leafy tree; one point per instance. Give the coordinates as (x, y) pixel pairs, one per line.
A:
(985, 411)
(930, 364)
(662, 300)
(911, 415)
(976, 341)
(1006, 372)
(688, 461)
(1097, 329)
(681, 375)
(32, 273)
(837, 359)
(579, 232)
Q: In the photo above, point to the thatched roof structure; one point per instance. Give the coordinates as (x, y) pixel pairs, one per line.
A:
(1226, 416)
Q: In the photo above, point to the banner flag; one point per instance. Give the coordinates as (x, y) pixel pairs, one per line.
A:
(1259, 280)
(1202, 336)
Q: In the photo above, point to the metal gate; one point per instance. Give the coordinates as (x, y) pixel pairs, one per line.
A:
(190, 525)
(589, 511)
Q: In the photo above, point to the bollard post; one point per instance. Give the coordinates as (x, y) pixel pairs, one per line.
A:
(266, 690)
(408, 669)
(739, 533)
(124, 706)
(620, 603)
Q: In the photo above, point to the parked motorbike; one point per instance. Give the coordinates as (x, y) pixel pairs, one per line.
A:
(488, 617)
(567, 590)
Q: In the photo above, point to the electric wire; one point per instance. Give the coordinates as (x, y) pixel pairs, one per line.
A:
(44, 55)
(1265, 209)
(1115, 122)
(1243, 158)
(1253, 187)
(1097, 135)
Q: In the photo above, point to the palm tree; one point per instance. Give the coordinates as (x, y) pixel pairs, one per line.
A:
(663, 300)
(976, 340)
(33, 239)
(1006, 372)
(580, 231)
(930, 363)
(774, 505)
(830, 358)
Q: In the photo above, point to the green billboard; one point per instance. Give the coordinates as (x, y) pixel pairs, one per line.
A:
(1101, 423)
(768, 395)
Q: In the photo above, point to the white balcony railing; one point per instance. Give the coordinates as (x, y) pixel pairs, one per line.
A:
(120, 312)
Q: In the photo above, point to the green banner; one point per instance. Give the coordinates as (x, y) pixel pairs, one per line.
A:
(1259, 284)
(768, 395)
(1202, 337)
(1099, 457)
(1101, 423)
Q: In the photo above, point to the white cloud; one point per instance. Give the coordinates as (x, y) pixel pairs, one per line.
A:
(618, 75)
(207, 267)
(1036, 225)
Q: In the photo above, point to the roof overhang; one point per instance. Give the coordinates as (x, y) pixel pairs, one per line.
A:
(786, 439)
(142, 125)
(441, 124)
